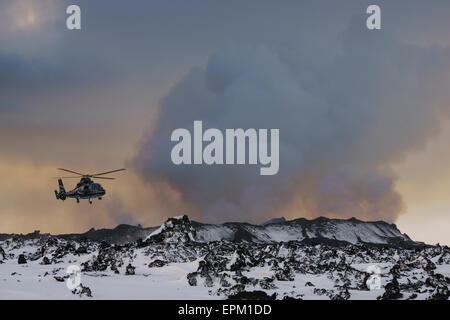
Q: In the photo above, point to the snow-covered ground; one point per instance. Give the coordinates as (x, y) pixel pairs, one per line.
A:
(30, 282)
(170, 264)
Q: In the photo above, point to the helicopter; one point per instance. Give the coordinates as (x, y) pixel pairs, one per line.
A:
(86, 188)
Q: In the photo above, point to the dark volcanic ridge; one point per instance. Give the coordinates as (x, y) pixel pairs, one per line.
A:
(319, 230)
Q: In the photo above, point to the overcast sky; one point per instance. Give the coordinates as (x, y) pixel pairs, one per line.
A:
(101, 98)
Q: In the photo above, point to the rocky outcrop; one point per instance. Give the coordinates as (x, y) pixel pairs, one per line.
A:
(174, 230)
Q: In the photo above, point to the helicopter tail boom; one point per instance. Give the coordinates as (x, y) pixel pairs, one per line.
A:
(62, 192)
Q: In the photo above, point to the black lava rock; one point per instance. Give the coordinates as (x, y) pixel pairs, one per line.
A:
(2, 253)
(157, 264)
(392, 291)
(252, 295)
(130, 270)
(22, 259)
(82, 291)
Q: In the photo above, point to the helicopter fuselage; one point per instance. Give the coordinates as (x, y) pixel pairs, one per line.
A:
(85, 189)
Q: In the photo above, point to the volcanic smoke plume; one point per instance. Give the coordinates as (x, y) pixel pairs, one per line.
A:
(345, 116)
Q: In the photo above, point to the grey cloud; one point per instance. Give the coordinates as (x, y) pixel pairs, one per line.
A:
(344, 117)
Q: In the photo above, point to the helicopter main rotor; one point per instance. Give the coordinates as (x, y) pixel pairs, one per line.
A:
(97, 175)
